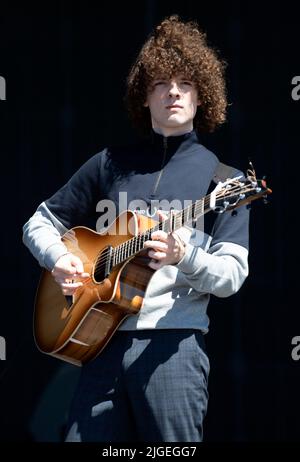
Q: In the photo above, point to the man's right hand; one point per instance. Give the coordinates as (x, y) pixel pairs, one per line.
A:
(68, 272)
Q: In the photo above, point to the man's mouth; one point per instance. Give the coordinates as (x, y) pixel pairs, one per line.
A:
(174, 106)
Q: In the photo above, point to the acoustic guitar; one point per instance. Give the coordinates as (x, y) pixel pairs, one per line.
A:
(77, 328)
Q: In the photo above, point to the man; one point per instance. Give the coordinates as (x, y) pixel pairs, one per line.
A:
(150, 381)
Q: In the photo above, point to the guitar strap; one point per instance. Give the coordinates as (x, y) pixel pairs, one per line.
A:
(222, 173)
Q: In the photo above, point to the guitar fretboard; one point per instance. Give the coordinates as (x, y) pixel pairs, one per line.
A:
(231, 193)
(176, 220)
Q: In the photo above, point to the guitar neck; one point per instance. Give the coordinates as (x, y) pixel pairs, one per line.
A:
(225, 197)
(175, 221)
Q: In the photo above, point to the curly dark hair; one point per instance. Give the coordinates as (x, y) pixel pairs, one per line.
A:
(177, 47)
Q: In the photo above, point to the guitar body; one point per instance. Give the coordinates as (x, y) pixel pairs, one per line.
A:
(76, 329)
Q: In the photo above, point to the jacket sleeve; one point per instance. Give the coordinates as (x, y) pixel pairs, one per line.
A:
(70, 206)
(42, 235)
(223, 267)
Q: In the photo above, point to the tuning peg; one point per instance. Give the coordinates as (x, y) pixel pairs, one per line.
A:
(248, 206)
(234, 213)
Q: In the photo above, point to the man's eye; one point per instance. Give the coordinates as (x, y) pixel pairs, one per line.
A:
(159, 82)
(186, 82)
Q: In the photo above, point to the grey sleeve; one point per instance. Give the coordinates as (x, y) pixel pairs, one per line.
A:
(42, 235)
(221, 271)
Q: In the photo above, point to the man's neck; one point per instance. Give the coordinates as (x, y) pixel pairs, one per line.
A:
(166, 132)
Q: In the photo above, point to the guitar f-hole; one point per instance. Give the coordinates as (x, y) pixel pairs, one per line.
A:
(103, 264)
(69, 299)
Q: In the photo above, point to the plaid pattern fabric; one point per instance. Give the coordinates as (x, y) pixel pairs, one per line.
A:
(148, 385)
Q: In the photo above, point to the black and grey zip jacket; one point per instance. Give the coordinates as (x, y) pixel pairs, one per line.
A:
(166, 173)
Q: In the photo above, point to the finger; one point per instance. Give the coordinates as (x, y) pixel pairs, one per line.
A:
(71, 285)
(85, 275)
(61, 276)
(162, 215)
(157, 255)
(79, 276)
(157, 245)
(155, 264)
(66, 269)
(68, 291)
(159, 236)
(77, 264)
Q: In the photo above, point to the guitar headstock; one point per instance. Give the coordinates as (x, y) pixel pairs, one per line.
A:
(238, 191)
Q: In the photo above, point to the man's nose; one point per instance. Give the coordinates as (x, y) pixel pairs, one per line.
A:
(174, 90)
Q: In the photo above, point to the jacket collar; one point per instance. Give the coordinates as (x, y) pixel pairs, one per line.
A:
(174, 143)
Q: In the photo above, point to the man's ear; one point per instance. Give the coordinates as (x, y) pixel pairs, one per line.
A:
(198, 102)
(146, 104)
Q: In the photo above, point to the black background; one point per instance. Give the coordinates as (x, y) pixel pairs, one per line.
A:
(65, 68)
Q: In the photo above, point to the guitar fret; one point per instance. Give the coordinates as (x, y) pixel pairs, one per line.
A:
(189, 213)
(164, 226)
(193, 211)
(129, 248)
(199, 208)
(172, 222)
(178, 220)
(132, 245)
(139, 243)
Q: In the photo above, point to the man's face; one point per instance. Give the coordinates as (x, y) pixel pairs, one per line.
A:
(173, 105)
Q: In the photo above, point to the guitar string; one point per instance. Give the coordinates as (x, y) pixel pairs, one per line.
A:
(101, 260)
(179, 215)
(100, 264)
(136, 241)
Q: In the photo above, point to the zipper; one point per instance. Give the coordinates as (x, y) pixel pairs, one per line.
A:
(165, 141)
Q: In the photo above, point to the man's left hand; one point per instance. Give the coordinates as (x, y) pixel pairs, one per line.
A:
(165, 249)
